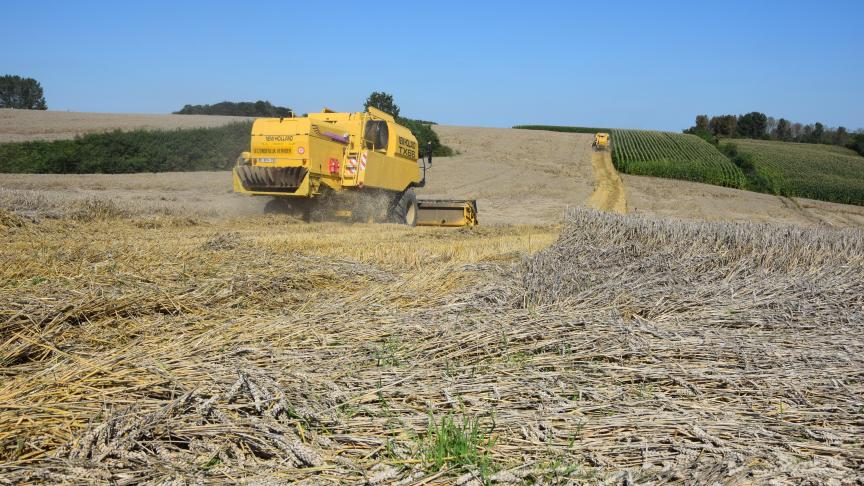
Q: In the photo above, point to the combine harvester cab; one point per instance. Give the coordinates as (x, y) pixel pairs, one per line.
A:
(360, 165)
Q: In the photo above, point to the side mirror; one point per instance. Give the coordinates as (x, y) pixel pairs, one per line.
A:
(429, 153)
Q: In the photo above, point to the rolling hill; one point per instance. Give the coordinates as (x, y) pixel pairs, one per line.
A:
(825, 172)
(821, 172)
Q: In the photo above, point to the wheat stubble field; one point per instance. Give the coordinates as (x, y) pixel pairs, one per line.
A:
(170, 348)
(152, 331)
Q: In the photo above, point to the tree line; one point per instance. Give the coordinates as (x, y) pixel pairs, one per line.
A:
(760, 126)
(242, 108)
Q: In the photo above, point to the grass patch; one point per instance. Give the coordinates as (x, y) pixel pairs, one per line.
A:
(451, 443)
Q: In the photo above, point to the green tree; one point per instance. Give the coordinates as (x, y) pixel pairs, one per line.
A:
(425, 135)
(856, 142)
(818, 132)
(783, 130)
(702, 129)
(841, 136)
(384, 102)
(421, 129)
(772, 125)
(22, 93)
(796, 130)
(243, 108)
(752, 125)
(723, 126)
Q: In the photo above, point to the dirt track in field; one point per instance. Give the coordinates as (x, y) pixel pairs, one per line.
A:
(609, 194)
(695, 201)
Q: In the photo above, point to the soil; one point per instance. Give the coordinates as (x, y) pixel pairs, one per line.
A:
(609, 193)
(516, 176)
(695, 201)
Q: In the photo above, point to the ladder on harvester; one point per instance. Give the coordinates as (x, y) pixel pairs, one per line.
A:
(354, 165)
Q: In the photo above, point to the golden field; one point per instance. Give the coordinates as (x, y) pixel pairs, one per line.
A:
(166, 347)
(156, 328)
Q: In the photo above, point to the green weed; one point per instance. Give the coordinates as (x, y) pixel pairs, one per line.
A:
(451, 443)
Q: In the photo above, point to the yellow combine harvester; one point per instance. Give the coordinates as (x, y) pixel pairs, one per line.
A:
(601, 141)
(359, 165)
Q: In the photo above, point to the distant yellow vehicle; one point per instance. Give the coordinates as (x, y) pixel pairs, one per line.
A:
(601, 141)
(359, 165)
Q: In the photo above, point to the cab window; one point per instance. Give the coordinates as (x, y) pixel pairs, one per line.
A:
(376, 135)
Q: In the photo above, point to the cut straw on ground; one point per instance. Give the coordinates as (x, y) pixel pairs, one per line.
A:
(618, 349)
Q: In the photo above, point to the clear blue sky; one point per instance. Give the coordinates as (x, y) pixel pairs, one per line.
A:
(622, 64)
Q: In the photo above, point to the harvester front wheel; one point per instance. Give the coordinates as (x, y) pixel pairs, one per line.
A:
(405, 210)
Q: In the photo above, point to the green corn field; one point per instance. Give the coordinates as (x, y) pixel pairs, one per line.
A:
(674, 156)
(815, 171)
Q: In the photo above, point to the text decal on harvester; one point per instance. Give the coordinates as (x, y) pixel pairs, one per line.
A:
(407, 149)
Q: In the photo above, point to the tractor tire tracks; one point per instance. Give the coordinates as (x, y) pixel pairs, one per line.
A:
(608, 192)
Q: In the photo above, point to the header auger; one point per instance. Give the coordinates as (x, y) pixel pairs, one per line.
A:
(362, 166)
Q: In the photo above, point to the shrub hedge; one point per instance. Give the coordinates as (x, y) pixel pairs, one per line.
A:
(117, 152)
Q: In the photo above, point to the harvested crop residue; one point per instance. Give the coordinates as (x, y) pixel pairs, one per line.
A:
(266, 349)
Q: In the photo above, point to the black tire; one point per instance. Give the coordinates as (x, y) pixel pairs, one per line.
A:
(405, 209)
(277, 205)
